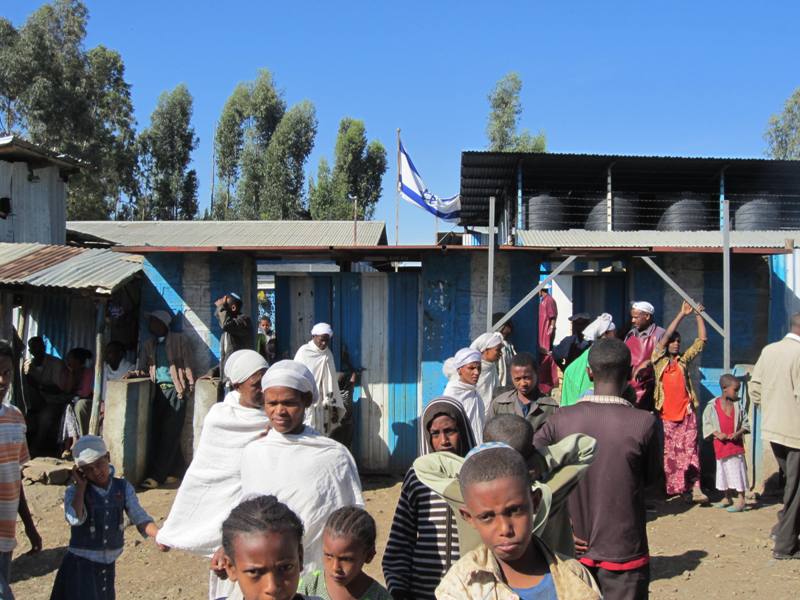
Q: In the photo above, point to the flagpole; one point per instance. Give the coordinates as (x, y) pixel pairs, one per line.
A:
(397, 199)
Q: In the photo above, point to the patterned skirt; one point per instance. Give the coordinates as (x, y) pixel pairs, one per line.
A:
(732, 473)
(681, 459)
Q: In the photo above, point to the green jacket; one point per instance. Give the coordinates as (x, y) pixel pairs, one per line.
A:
(507, 403)
(558, 469)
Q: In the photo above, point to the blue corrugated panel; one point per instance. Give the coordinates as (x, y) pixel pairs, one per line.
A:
(283, 315)
(348, 321)
(778, 317)
(402, 355)
(446, 282)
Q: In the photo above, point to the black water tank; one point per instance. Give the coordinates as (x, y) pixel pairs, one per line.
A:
(624, 214)
(760, 213)
(545, 212)
(688, 212)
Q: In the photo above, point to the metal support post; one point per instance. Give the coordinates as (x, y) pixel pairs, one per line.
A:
(490, 281)
(726, 273)
(651, 263)
(609, 201)
(97, 395)
(530, 295)
(520, 224)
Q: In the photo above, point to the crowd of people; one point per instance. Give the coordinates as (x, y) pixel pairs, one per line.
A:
(530, 481)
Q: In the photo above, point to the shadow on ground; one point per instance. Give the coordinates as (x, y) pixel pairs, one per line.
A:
(667, 567)
(28, 566)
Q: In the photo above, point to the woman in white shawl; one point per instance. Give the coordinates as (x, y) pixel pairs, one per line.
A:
(212, 484)
(490, 345)
(312, 474)
(463, 371)
(316, 355)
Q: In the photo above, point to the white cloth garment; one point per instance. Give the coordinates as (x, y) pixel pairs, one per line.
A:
(212, 484)
(732, 473)
(598, 327)
(110, 374)
(322, 329)
(242, 364)
(462, 358)
(292, 374)
(323, 368)
(504, 366)
(644, 307)
(487, 340)
(467, 395)
(313, 475)
(488, 381)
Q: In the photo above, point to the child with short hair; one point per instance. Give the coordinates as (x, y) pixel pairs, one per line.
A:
(348, 543)
(263, 542)
(726, 421)
(500, 503)
(95, 506)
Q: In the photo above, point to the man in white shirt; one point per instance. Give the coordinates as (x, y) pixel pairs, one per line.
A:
(116, 365)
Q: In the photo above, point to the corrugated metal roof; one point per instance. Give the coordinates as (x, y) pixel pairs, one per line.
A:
(66, 267)
(13, 148)
(485, 174)
(221, 234)
(579, 238)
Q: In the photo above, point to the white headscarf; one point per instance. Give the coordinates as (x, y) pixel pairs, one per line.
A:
(598, 327)
(644, 307)
(487, 340)
(462, 358)
(290, 374)
(322, 329)
(242, 364)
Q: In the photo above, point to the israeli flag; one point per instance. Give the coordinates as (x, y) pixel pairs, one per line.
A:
(413, 189)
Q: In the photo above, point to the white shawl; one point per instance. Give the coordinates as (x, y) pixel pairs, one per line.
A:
(323, 368)
(212, 484)
(313, 475)
(488, 382)
(467, 395)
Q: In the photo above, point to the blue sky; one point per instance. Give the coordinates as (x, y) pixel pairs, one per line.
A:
(687, 78)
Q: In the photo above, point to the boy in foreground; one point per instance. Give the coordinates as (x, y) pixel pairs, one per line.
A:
(511, 563)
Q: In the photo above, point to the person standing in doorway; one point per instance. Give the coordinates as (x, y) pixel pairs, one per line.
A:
(165, 360)
(641, 340)
(775, 385)
(548, 313)
(316, 355)
(263, 338)
(507, 353)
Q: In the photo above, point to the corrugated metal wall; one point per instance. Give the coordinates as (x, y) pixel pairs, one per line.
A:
(375, 317)
(64, 321)
(38, 207)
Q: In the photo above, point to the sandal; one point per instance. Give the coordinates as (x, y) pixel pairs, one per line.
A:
(735, 509)
(149, 484)
(724, 505)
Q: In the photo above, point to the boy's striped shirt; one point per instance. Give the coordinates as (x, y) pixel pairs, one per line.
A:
(13, 454)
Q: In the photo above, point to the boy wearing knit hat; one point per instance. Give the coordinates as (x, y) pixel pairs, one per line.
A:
(95, 506)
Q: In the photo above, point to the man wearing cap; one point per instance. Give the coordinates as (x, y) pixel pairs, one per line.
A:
(641, 340)
(165, 360)
(572, 346)
(316, 355)
(237, 328)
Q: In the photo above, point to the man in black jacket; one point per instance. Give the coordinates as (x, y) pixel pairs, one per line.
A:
(237, 329)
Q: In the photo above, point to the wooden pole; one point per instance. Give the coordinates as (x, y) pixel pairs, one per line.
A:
(97, 396)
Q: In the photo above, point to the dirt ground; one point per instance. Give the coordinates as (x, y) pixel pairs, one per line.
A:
(698, 552)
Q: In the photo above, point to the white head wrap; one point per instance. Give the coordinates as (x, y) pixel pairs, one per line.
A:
(290, 374)
(487, 340)
(322, 329)
(241, 365)
(644, 307)
(88, 449)
(598, 327)
(466, 356)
